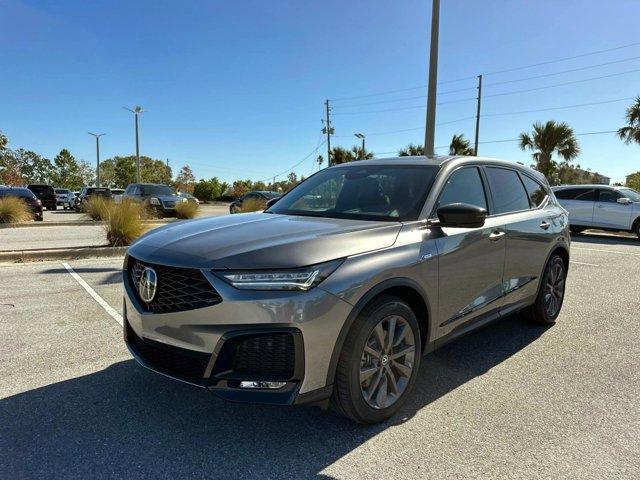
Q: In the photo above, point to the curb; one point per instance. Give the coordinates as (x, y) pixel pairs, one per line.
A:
(61, 254)
(78, 223)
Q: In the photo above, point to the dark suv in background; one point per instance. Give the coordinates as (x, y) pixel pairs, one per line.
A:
(160, 198)
(262, 196)
(46, 194)
(88, 192)
(27, 196)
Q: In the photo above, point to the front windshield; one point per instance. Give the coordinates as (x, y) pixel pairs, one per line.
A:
(631, 194)
(157, 190)
(361, 192)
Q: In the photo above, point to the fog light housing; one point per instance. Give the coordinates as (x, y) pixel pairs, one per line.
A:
(262, 384)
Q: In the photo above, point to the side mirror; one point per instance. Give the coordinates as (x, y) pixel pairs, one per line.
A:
(624, 201)
(461, 215)
(271, 201)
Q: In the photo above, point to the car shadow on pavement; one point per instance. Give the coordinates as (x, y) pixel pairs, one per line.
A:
(126, 422)
(114, 274)
(604, 239)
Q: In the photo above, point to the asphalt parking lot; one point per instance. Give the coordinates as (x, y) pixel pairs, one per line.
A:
(509, 401)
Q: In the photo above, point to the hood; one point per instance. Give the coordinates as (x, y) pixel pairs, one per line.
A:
(261, 240)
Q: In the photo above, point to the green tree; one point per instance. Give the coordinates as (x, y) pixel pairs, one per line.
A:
(67, 172)
(359, 154)
(548, 139)
(341, 155)
(108, 173)
(10, 168)
(240, 187)
(155, 171)
(633, 181)
(185, 181)
(460, 146)
(124, 171)
(4, 141)
(631, 132)
(207, 190)
(411, 150)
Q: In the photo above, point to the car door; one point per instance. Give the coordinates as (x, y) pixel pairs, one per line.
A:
(470, 260)
(580, 203)
(608, 213)
(532, 224)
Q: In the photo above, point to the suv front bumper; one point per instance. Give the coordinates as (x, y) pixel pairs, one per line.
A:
(252, 336)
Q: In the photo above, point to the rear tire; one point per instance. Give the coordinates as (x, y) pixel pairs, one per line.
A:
(374, 378)
(550, 297)
(636, 229)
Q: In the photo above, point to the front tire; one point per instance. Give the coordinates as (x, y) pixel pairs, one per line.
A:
(379, 362)
(550, 297)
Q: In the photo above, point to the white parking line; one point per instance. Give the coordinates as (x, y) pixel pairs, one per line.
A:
(607, 251)
(583, 263)
(108, 308)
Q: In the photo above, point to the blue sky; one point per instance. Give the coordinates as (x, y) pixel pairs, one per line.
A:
(236, 89)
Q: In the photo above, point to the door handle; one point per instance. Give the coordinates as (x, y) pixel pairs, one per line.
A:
(496, 235)
(545, 225)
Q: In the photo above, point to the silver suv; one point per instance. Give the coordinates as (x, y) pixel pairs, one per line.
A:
(338, 289)
(601, 206)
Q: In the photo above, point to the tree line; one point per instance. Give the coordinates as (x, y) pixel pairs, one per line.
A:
(553, 146)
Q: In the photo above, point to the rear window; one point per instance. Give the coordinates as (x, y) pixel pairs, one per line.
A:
(16, 192)
(62, 191)
(41, 189)
(507, 190)
(103, 192)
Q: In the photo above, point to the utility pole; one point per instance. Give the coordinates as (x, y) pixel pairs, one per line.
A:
(328, 129)
(478, 114)
(361, 136)
(97, 135)
(137, 110)
(430, 126)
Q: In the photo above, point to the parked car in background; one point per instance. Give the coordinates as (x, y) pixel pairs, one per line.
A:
(117, 194)
(161, 199)
(261, 196)
(600, 206)
(87, 192)
(46, 194)
(28, 197)
(339, 288)
(189, 197)
(65, 198)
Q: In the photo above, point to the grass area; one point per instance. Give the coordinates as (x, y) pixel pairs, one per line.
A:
(253, 205)
(124, 223)
(14, 210)
(186, 209)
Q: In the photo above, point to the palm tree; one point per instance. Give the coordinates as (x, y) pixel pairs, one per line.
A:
(631, 132)
(547, 139)
(358, 154)
(460, 146)
(341, 155)
(411, 150)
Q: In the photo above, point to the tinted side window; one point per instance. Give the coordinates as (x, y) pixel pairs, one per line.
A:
(584, 194)
(608, 196)
(508, 192)
(464, 186)
(536, 192)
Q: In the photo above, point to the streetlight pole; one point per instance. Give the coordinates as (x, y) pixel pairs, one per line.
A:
(97, 135)
(475, 150)
(360, 136)
(430, 126)
(137, 110)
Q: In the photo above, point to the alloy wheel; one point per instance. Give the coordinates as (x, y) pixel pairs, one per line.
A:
(554, 289)
(387, 362)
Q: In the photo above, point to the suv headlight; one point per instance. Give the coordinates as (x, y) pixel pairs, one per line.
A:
(154, 201)
(301, 279)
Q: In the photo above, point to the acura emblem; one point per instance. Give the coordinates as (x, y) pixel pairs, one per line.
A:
(148, 284)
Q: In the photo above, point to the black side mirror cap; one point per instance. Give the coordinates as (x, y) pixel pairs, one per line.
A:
(461, 215)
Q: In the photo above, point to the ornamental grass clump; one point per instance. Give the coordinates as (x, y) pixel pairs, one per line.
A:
(253, 205)
(98, 208)
(186, 209)
(14, 210)
(124, 224)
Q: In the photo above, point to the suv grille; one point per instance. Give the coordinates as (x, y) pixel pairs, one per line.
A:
(174, 361)
(178, 289)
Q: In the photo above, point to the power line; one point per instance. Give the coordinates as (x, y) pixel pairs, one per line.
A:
(405, 108)
(495, 72)
(297, 164)
(500, 114)
(409, 129)
(562, 84)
